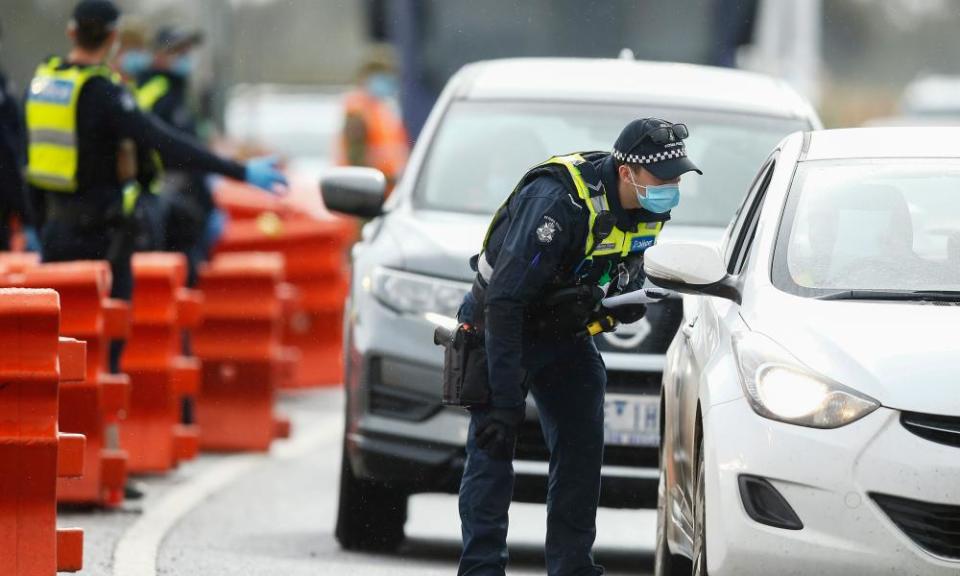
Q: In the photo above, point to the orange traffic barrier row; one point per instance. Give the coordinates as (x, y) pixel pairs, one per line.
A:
(93, 406)
(315, 253)
(160, 375)
(33, 452)
(239, 343)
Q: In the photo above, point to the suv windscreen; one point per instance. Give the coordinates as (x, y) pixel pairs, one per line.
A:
(890, 225)
(482, 149)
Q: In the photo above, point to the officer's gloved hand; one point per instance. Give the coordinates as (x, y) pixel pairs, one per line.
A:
(31, 238)
(627, 313)
(263, 173)
(496, 431)
(466, 312)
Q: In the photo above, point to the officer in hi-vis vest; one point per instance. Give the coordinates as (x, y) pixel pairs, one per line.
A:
(78, 113)
(573, 230)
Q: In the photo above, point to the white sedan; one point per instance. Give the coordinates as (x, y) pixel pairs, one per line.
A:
(811, 400)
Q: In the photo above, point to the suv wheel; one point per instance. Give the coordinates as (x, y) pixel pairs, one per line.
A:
(665, 563)
(370, 515)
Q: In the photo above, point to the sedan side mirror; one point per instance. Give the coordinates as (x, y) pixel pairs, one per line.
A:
(690, 269)
(354, 190)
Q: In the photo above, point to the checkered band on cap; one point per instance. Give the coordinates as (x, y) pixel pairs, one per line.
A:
(680, 152)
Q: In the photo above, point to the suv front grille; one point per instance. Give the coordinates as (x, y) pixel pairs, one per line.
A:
(939, 429)
(532, 446)
(650, 335)
(933, 527)
(640, 383)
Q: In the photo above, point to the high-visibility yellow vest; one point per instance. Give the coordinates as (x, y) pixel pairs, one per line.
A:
(618, 242)
(152, 91)
(147, 97)
(52, 123)
(612, 248)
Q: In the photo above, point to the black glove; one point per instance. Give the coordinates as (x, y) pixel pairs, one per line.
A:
(496, 431)
(628, 313)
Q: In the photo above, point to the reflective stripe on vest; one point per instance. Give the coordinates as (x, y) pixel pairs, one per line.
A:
(146, 98)
(51, 112)
(151, 92)
(618, 242)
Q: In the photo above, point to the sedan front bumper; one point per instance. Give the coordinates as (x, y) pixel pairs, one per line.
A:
(831, 479)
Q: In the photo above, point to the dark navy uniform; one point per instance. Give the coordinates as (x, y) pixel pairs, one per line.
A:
(542, 242)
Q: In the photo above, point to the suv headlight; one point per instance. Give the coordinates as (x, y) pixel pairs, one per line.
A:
(417, 294)
(779, 387)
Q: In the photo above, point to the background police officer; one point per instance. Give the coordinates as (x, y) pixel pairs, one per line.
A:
(78, 113)
(191, 218)
(576, 225)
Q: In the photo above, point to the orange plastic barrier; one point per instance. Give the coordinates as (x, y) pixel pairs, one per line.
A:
(160, 376)
(90, 406)
(243, 358)
(315, 252)
(18, 261)
(33, 453)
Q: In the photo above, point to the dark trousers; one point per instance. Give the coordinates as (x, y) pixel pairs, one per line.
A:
(569, 391)
(63, 242)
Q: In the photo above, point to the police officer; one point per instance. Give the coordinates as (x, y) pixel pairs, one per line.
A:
(145, 168)
(574, 228)
(192, 220)
(78, 113)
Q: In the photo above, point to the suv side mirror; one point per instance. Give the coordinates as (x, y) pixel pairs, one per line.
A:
(354, 190)
(690, 269)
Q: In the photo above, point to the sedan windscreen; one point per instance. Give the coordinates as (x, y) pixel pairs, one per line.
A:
(871, 226)
(483, 148)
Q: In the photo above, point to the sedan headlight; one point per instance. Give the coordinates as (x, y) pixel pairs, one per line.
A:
(417, 294)
(779, 387)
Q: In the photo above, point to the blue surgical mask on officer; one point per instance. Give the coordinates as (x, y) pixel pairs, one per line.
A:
(182, 66)
(382, 85)
(658, 199)
(135, 62)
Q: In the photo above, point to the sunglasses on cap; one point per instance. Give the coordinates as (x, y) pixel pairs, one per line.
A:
(666, 134)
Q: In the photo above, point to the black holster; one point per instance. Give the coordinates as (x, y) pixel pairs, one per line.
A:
(466, 381)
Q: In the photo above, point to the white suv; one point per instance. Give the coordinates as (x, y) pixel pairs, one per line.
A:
(493, 121)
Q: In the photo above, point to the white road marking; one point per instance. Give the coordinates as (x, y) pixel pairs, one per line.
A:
(136, 552)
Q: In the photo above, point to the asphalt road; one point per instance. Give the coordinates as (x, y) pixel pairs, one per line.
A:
(274, 515)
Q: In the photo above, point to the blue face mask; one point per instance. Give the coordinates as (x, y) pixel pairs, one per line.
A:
(382, 86)
(658, 199)
(182, 66)
(135, 62)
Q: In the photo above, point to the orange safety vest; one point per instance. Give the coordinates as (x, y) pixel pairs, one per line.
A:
(387, 144)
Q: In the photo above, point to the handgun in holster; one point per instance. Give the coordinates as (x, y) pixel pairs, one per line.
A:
(465, 378)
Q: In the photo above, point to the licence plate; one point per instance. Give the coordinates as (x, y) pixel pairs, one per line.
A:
(631, 420)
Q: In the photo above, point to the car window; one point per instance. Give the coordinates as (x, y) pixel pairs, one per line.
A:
(871, 225)
(481, 149)
(735, 232)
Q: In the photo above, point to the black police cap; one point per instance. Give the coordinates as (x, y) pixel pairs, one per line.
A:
(665, 161)
(96, 13)
(172, 38)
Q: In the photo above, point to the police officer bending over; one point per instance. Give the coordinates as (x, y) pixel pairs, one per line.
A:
(574, 228)
(78, 113)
